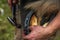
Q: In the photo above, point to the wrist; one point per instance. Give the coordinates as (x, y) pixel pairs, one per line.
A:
(52, 28)
(54, 24)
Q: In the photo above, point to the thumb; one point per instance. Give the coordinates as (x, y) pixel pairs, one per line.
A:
(33, 27)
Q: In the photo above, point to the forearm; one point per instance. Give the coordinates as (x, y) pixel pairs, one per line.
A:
(55, 23)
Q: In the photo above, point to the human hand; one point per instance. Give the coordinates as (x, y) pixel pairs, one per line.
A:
(39, 33)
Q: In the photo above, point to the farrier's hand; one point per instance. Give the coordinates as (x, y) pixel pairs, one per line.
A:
(38, 33)
(10, 2)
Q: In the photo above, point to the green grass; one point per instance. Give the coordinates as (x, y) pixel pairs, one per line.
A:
(6, 29)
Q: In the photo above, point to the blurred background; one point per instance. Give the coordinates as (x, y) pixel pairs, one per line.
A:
(6, 29)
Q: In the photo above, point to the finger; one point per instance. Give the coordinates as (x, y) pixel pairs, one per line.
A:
(30, 39)
(23, 34)
(31, 35)
(33, 39)
(33, 27)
